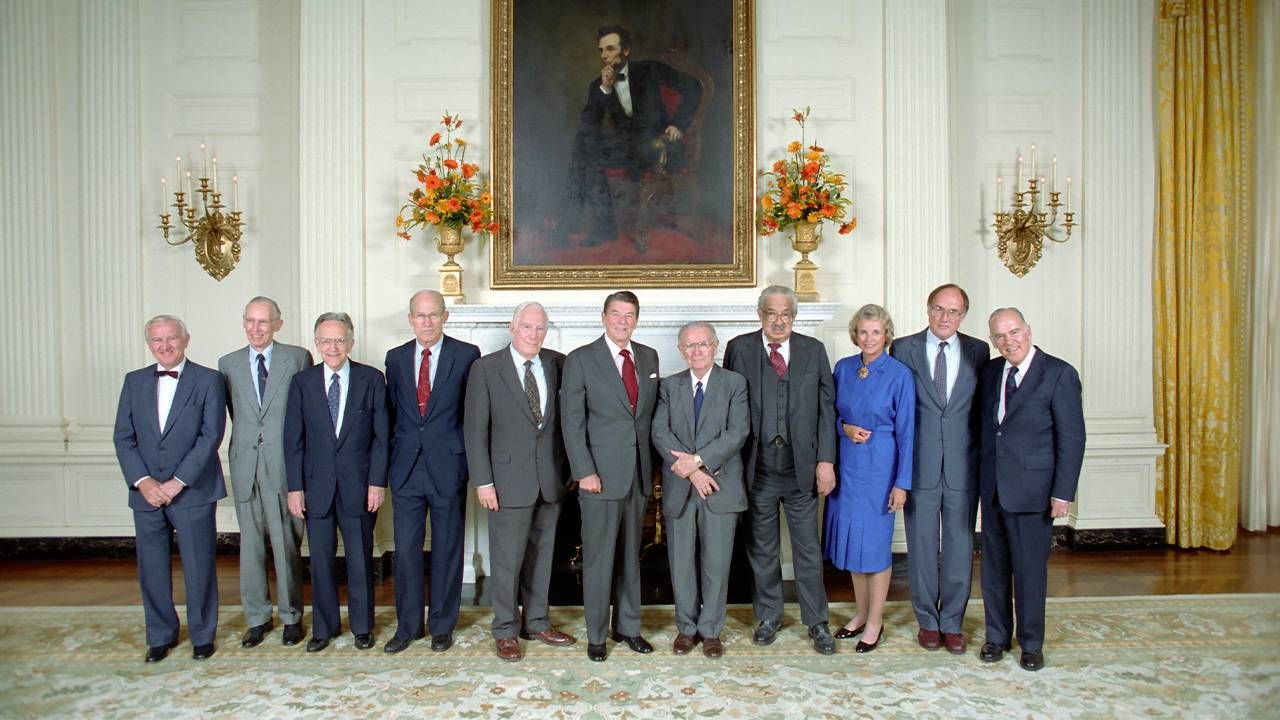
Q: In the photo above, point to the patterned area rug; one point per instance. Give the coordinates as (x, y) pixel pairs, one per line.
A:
(1156, 657)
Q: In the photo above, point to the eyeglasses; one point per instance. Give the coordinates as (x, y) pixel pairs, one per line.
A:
(701, 345)
(945, 312)
(779, 317)
(332, 342)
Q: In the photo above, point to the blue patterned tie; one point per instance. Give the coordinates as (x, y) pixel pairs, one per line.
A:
(940, 373)
(335, 393)
(262, 378)
(697, 403)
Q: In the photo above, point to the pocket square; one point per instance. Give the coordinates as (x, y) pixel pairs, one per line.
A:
(653, 376)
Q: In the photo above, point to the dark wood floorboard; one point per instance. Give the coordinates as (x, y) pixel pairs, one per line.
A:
(1253, 565)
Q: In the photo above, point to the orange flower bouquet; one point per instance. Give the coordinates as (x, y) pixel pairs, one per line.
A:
(451, 192)
(801, 188)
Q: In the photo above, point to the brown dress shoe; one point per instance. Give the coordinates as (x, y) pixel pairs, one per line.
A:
(550, 636)
(929, 639)
(683, 644)
(955, 643)
(712, 647)
(508, 648)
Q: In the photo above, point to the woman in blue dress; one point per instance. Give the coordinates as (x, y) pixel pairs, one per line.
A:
(875, 409)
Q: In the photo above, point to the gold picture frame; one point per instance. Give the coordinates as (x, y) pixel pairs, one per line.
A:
(689, 222)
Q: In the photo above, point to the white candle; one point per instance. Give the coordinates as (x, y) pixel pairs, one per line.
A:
(177, 164)
(235, 192)
(1039, 191)
(1018, 187)
(1055, 173)
(164, 195)
(204, 158)
(1068, 193)
(1033, 160)
(215, 174)
(191, 199)
(1000, 194)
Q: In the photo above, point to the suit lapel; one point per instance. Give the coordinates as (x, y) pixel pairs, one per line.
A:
(550, 371)
(917, 356)
(355, 384)
(711, 394)
(643, 371)
(967, 374)
(443, 368)
(604, 358)
(185, 385)
(281, 367)
(1035, 374)
(800, 360)
(514, 382)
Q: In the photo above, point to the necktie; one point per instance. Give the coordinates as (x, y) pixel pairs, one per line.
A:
(775, 359)
(424, 382)
(531, 392)
(629, 379)
(262, 378)
(335, 394)
(697, 403)
(1010, 387)
(171, 373)
(940, 373)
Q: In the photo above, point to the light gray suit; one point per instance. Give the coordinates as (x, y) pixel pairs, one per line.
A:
(695, 524)
(525, 463)
(258, 482)
(944, 490)
(603, 437)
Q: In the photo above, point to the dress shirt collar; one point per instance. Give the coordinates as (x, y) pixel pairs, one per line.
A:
(694, 379)
(266, 354)
(1023, 366)
(435, 349)
(179, 368)
(784, 349)
(520, 359)
(616, 350)
(343, 373)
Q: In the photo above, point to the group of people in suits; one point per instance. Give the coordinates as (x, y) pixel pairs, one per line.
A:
(928, 424)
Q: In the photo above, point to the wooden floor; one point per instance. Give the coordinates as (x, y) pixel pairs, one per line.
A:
(1252, 566)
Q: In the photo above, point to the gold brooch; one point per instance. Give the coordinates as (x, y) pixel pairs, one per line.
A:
(863, 373)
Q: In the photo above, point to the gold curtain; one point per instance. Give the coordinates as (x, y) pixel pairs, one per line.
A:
(1202, 246)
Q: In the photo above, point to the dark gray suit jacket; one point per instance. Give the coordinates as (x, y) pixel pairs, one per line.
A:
(946, 436)
(811, 401)
(601, 436)
(723, 425)
(504, 446)
(256, 449)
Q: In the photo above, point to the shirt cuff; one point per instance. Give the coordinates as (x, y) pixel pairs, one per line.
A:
(481, 487)
(138, 482)
(1057, 500)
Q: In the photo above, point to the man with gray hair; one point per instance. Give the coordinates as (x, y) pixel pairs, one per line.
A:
(789, 460)
(699, 426)
(515, 453)
(257, 378)
(168, 428)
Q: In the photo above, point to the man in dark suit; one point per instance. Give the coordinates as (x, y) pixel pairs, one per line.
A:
(626, 124)
(944, 491)
(789, 459)
(606, 411)
(257, 378)
(699, 427)
(335, 439)
(426, 388)
(168, 429)
(1032, 448)
(515, 453)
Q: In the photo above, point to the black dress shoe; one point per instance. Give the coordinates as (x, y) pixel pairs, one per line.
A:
(845, 633)
(156, 653)
(765, 633)
(866, 647)
(1031, 660)
(823, 642)
(597, 653)
(254, 636)
(293, 634)
(364, 641)
(440, 643)
(316, 644)
(202, 652)
(397, 643)
(992, 652)
(635, 642)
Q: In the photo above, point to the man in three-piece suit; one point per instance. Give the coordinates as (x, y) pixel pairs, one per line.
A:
(168, 428)
(335, 443)
(1032, 448)
(607, 399)
(426, 388)
(789, 458)
(943, 503)
(699, 427)
(257, 378)
(515, 454)
(625, 124)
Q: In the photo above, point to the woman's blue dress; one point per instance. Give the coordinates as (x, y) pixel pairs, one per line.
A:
(858, 525)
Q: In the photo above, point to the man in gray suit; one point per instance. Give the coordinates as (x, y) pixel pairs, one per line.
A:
(789, 459)
(257, 378)
(516, 460)
(943, 503)
(606, 412)
(699, 427)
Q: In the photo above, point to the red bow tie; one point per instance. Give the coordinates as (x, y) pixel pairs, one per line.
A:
(171, 373)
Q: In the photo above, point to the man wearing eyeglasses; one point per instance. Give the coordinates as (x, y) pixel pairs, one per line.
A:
(699, 426)
(789, 460)
(426, 389)
(943, 502)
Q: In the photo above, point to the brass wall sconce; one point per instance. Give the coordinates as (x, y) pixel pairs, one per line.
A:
(215, 234)
(1021, 232)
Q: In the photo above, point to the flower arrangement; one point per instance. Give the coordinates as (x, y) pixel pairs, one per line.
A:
(451, 192)
(802, 189)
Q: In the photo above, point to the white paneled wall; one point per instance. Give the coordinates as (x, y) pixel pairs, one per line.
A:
(323, 107)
